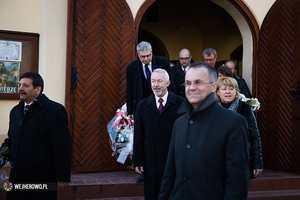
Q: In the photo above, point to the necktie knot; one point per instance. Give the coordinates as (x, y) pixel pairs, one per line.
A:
(160, 105)
(184, 70)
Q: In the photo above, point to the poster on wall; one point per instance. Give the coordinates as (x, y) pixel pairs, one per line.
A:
(10, 51)
(9, 77)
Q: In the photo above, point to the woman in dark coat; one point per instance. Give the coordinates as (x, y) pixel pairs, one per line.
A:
(228, 96)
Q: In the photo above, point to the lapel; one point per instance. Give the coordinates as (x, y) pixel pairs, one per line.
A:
(154, 63)
(171, 100)
(137, 73)
(179, 71)
(151, 103)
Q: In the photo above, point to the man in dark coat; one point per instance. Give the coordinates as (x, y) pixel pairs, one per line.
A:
(152, 132)
(243, 87)
(179, 70)
(207, 160)
(137, 85)
(40, 142)
(210, 58)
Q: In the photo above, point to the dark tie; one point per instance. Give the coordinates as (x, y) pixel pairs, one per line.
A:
(26, 109)
(148, 73)
(160, 105)
(184, 70)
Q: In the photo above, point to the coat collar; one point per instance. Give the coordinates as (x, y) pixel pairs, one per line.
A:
(236, 76)
(151, 102)
(41, 100)
(178, 69)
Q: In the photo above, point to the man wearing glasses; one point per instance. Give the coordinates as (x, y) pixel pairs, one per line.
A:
(210, 58)
(208, 154)
(179, 70)
(138, 75)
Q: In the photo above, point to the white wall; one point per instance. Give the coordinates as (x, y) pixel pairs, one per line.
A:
(49, 19)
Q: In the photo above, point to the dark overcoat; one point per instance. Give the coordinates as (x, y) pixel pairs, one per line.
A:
(152, 134)
(243, 87)
(207, 161)
(134, 80)
(40, 143)
(254, 137)
(179, 77)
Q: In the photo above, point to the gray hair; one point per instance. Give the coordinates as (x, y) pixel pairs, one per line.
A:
(209, 51)
(159, 70)
(143, 46)
(212, 72)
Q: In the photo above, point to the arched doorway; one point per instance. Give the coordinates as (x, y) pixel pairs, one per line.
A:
(101, 42)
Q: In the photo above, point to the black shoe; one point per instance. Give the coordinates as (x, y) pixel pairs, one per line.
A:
(140, 179)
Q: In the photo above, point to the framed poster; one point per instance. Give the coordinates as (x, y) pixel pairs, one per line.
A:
(10, 51)
(9, 77)
(18, 54)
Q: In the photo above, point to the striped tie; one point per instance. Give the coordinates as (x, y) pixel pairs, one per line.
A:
(26, 109)
(148, 73)
(160, 104)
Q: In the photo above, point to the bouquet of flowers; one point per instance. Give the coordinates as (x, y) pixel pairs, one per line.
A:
(120, 130)
(4, 154)
(253, 102)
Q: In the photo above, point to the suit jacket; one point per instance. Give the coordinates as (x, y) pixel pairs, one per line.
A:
(134, 80)
(40, 142)
(207, 160)
(179, 77)
(152, 135)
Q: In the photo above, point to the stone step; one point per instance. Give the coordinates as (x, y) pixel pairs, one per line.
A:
(274, 194)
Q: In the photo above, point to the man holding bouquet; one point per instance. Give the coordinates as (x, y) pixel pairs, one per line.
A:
(154, 120)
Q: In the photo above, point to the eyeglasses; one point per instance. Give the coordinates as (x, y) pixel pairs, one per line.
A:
(209, 60)
(197, 83)
(184, 58)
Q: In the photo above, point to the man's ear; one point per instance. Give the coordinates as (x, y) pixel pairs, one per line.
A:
(38, 90)
(168, 83)
(214, 86)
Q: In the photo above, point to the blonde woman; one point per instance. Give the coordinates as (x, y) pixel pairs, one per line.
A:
(228, 96)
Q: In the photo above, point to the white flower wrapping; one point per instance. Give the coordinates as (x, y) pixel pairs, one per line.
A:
(120, 130)
(253, 102)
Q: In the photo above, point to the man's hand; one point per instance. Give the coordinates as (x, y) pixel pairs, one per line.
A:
(139, 169)
(131, 117)
(62, 185)
(256, 172)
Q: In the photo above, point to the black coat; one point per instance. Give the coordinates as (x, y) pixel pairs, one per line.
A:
(152, 134)
(217, 66)
(243, 87)
(40, 143)
(179, 77)
(207, 160)
(134, 81)
(254, 138)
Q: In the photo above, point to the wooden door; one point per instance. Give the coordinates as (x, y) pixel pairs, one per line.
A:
(103, 45)
(278, 72)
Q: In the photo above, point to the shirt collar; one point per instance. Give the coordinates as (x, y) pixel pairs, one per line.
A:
(165, 97)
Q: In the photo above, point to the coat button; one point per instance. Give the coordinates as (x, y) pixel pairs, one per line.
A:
(191, 121)
(186, 177)
(188, 146)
